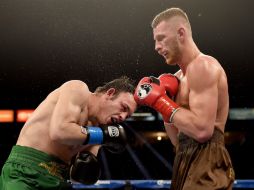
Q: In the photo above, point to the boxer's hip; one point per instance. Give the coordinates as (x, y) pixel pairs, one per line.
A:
(202, 165)
(36, 160)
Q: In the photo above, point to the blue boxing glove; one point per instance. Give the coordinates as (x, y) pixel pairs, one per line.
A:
(112, 137)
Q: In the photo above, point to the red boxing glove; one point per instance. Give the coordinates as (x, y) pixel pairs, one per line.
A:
(170, 82)
(150, 92)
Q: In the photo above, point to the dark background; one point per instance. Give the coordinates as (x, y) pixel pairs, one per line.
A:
(45, 43)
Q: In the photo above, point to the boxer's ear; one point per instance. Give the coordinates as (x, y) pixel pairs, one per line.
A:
(111, 92)
(181, 34)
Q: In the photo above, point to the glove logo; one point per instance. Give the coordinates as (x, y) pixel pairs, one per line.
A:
(144, 90)
(113, 131)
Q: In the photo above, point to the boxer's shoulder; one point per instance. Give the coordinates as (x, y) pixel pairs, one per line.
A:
(203, 65)
(76, 84)
(75, 88)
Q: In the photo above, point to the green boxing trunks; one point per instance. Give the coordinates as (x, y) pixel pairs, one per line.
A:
(27, 168)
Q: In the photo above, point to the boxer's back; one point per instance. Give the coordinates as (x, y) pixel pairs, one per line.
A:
(223, 101)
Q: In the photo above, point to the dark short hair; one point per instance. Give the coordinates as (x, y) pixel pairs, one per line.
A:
(122, 84)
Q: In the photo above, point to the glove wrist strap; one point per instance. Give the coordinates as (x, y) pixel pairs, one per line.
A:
(172, 115)
(94, 135)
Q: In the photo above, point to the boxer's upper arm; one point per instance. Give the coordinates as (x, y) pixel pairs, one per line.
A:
(72, 98)
(203, 96)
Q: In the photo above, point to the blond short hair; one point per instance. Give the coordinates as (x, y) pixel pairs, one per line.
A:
(168, 14)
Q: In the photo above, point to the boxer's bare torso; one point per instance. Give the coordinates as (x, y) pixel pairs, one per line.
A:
(185, 93)
(36, 131)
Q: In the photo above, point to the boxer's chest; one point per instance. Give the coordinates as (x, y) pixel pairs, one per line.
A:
(182, 97)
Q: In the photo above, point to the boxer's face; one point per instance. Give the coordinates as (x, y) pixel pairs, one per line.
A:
(166, 43)
(117, 108)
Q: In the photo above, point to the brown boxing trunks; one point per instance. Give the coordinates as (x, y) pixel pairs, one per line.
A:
(202, 166)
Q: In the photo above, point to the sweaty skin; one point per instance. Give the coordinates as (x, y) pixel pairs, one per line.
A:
(203, 90)
(196, 127)
(54, 127)
(205, 93)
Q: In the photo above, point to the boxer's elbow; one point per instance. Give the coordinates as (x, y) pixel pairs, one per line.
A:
(204, 132)
(198, 128)
(203, 136)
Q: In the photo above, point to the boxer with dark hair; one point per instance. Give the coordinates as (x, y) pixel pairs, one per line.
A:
(194, 104)
(70, 122)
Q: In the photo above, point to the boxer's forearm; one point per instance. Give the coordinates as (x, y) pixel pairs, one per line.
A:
(68, 134)
(172, 132)
(193, 125)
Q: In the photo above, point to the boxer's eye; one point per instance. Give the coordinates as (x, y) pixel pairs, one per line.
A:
(124, 108)
(113, 120)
